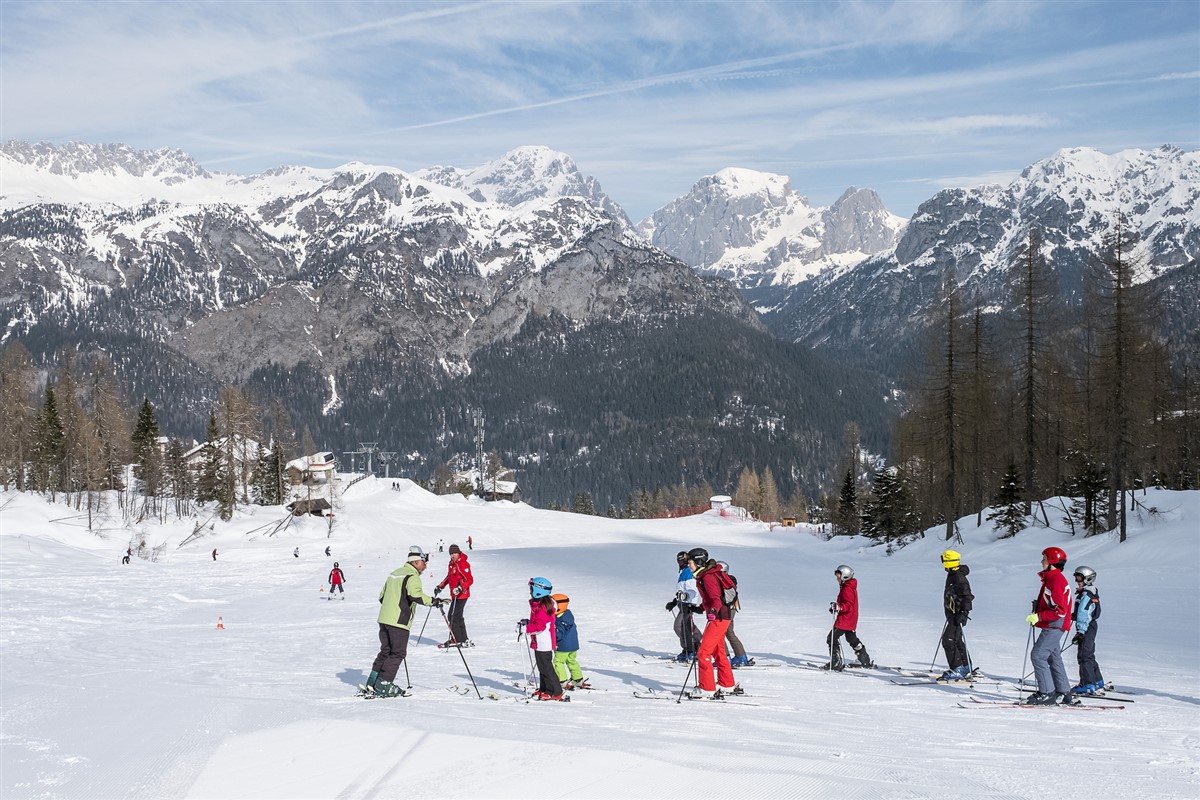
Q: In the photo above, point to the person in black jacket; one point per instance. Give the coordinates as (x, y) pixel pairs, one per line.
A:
(956, 602)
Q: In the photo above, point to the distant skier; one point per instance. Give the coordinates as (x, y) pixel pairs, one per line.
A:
(336, 581)
(296, 553)
(740, 659)
(128, 555)
(1087, 611)
(470, 544)
(1052, 616)
(539, 627)
(566, 646)
(956, 603)
(845, 622)
(401, 591)
(687, 600)
(214, 554)
(712, 584)
(459, 579)
(441, 545)
(327, 553)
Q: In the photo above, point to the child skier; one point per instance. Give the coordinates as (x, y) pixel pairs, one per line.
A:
(687, 600)
(459, 579)
(956, 603)
(336, 579)
(712, 583)
(540, 629)
(1052, 616)
(846, 621)
(1087, 611)
(566, 646)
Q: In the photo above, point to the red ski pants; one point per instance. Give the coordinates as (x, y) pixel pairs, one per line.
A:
(712, 643)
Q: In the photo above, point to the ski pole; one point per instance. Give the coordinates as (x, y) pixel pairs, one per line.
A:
(460, 655)
(687, 678)
(1028, 642)
(407, 679)
(970, 662)
(933, 660)
(423, 624)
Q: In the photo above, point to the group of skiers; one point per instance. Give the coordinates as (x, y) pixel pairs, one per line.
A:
(705, 586)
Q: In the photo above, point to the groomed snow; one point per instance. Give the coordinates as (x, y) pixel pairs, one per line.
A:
(116, 682)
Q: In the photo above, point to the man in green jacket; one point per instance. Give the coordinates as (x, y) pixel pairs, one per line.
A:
(401, 591)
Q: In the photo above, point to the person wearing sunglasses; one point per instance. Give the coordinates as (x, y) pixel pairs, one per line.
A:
(401, 592)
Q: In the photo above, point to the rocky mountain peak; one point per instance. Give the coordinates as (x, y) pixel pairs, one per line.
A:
(74, 159)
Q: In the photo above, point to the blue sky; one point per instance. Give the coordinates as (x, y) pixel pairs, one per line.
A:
(905, 98)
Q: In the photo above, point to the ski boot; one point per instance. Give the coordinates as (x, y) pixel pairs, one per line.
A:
(685, 656)
(1040, 699)
(368, 689)
(962, 673)
(1066, 699)
(864, 659)
(739, 661)
(389, 689)
(834, 666)
(702, 694)
(447, 644)
(545, 696)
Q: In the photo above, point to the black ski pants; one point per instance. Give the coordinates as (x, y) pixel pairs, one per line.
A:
(955, 647)
(550, 684)
(1089, 670)
(458, 626)
(393, 647)
(835, 645)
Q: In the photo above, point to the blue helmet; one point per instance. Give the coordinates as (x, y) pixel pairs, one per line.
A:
(539, 588)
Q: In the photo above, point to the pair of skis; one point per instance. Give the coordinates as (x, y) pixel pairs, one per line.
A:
(977, 703)
(653, 694)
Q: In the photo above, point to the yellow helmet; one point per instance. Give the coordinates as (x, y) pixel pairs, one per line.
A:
(950, 559)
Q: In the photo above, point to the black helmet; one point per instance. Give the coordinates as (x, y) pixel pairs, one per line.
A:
(699, 555)
(681, 557)
(335, 565)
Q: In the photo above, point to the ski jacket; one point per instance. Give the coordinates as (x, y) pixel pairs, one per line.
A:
(711, 583)
(401, 591)
(685, 588)
(540, 627)
(1053, 604)
(458, 574)
(847, 616)
(336, 576)
(566, 637)
(1087, 608)
(957, 597)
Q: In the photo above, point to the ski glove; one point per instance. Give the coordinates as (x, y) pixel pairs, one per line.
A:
(457, 591)
(961, 619)
(710, 616)
(671, 605)
(833, 607)
(1077, 639)
(436, 591)
(437, 602)
(696, 609)
(1033, 619)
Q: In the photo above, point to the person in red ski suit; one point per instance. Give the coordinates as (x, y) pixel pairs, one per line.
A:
(845, 622)
(459, 579)
(711, 581)
(336, 579)
(1052, 617)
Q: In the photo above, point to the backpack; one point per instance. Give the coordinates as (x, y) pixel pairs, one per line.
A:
(729, 593)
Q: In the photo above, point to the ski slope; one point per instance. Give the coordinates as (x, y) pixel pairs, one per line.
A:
(116, 682)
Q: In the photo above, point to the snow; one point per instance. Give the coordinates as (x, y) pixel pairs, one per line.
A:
(116, 681)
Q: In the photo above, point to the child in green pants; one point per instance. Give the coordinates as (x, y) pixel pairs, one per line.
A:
(567, 646)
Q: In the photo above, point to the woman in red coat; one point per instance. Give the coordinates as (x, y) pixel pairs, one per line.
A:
(846, 621)
(1052, 616)
(712, 581)
(459, 579)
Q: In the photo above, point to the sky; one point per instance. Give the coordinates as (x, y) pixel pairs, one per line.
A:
(905, 98)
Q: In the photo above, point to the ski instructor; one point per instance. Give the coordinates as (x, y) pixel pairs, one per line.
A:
(459, 579)
(401, 591)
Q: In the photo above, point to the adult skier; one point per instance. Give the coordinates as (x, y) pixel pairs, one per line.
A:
(740, 659)
(1087, 611)
(845, 622)
(401, 591)
(336, 581)
(1052, 617)
(956, 603)
(712, 582)
(459, 579)
(687, 600)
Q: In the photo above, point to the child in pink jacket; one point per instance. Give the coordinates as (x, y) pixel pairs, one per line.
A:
(540, 629)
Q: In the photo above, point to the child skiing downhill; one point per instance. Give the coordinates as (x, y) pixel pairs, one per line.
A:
(846, 621)
(712, 583)
(687, 600)
(336, 580)
(459, 579)
(1052, 616)
(401, 591)
(566, 646)
(540, 629)
(956, 603)
(1087, 611)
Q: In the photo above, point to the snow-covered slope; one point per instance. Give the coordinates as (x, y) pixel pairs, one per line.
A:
(116, 681)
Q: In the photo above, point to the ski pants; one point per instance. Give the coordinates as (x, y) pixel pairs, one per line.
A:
(335, 587)
(835, 645)
(458, 627)
(393, 647)
(1089, 670)
(1046, 658)
(567, 666)
(732, 638)
(686, 630)
(712, 645)
(954, 645)
(549, 683)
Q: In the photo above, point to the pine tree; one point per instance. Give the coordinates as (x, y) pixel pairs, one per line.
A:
(584, 504)
(47, 449)
(846, 518)
(147, 460)
(1009, 515)
(887, 514)
(17, 414)
(213, 468)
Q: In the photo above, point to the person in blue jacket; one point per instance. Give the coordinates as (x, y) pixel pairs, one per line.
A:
(687, 600)
(566, 651)
(1087, 611)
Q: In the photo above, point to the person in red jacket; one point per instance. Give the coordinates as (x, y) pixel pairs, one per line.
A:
(712, 582)
(459, 579)
(846, 621)
(336, 581)
(1052, 616)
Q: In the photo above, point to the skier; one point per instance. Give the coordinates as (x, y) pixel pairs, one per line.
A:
(740, 659)
(327, 553)
(540, 628)
(459, 579)
(1087, 611)
(441, 545)
(336, 581)
(214, 554)
(566, 646)
(956, 603)
(296, 553)
(129, 554)
(470, 545)
(687, 600)
(1052, 615)
(846, 621)
(401, 591)
(712, 583)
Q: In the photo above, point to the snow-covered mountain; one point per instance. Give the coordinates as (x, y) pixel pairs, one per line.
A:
(756, 230)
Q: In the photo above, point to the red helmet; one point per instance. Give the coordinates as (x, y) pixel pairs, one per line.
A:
(1055, 555)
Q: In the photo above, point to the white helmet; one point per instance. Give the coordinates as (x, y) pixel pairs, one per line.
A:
(844, 572)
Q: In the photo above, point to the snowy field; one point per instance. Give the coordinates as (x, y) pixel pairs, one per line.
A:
(116, 682)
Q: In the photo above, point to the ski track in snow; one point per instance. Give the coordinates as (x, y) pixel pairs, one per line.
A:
(117, 683)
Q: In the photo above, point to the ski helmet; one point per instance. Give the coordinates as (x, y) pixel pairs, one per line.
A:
(539, 588)
(951, 559)
(562, 600)
(1085, 574)
(724, 567)
(681, 557)
(335, 566)
(415, 553)
(1056, 556)
(699, 555)
(844, 572)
